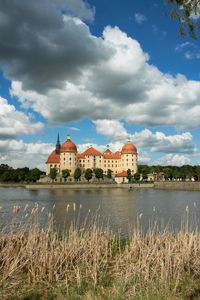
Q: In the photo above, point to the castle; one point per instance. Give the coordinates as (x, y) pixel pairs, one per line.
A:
(66, 156)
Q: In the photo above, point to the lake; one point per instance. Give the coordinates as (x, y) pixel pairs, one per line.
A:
(120, 208)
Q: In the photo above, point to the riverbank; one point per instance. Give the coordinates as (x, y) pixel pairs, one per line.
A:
(96, 264)
(89, 186)
(177, 185)
(164, 185)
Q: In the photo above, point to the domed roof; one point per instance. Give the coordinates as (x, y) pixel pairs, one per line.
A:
(68, 146)
(129, 148)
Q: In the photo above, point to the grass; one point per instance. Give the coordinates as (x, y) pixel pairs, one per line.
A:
(92, 263)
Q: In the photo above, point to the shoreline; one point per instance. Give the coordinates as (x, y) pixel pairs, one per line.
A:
(89, 186)
(163, 185)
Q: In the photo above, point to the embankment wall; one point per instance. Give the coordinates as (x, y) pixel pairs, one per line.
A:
(87, 186)
(172, 185)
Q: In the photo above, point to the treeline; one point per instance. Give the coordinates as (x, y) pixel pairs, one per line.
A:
(88, 174)
(172, 172)
(9, 174)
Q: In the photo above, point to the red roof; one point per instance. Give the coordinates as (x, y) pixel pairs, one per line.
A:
(129, 149)
(68, 146)
(116, 155)
(91, 151)
(53, 158)
(122, 174)
(79, 156)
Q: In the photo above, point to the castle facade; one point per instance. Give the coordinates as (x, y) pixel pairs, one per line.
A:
(66, 156)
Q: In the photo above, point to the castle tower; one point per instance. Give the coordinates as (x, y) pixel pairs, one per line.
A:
(129, 157)
(68, 156)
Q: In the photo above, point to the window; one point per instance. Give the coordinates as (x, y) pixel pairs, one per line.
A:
(70, 158)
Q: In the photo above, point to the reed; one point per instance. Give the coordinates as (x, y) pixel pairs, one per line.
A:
(93, 263)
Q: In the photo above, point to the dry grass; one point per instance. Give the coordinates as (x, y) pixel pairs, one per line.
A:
(95, 264)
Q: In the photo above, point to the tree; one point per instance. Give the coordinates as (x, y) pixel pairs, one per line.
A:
(136, 176)
(53, 173)
(65, 173)
(109, 173)
(34, 174)
(77, 174)
(187, 13)
(129, 176)
(98, 173)
(88, 174)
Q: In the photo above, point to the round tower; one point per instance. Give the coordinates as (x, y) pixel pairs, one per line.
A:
(68, 156)
(129, 157)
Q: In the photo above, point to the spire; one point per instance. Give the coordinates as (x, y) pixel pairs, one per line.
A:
(68, 137)
(58, 145)
(129, 140)
(58, 139)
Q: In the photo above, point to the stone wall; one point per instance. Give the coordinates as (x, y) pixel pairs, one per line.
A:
(173, 185)
(88, 186)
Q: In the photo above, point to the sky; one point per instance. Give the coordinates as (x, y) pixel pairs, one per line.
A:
(101, 71)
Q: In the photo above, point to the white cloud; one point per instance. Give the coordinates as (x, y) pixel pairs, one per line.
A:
(14, 123)
(19, 154)
(112, 129)
(70, 73)
(189, 50)
(156, 142)
(173, 160)
(140, 18)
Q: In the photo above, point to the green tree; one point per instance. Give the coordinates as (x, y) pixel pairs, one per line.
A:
(34, 174)
(109, 173)
(98, 173)
(136, 176)
(65, 173)
(129, 176)
(77, 174)
(187, 13)
(88, 174)
(53, 173)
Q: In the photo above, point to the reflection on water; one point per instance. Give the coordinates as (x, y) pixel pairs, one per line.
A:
(119, 207)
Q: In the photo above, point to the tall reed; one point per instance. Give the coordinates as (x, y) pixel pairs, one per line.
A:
(94, 260)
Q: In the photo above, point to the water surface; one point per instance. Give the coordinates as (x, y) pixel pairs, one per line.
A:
(120, 208)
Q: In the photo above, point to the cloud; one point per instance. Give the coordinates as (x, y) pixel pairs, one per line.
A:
(14, 123)
(43, 47)
(19, 154)
(78, 8)
(140, 18)
(74, 128)
(173, 160)
(156, 142)
(112, 129)
(159, 142)
(62, 71)
(189, 50)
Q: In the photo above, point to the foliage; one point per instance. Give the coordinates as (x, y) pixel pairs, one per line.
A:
(129, 176)
(136, 176)
(88, 174)
(98, 173)
(172, 172)
(8, 174)
(53, 173)
(77, 174)
(187, 13)
(65, 173)
(109, 173)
